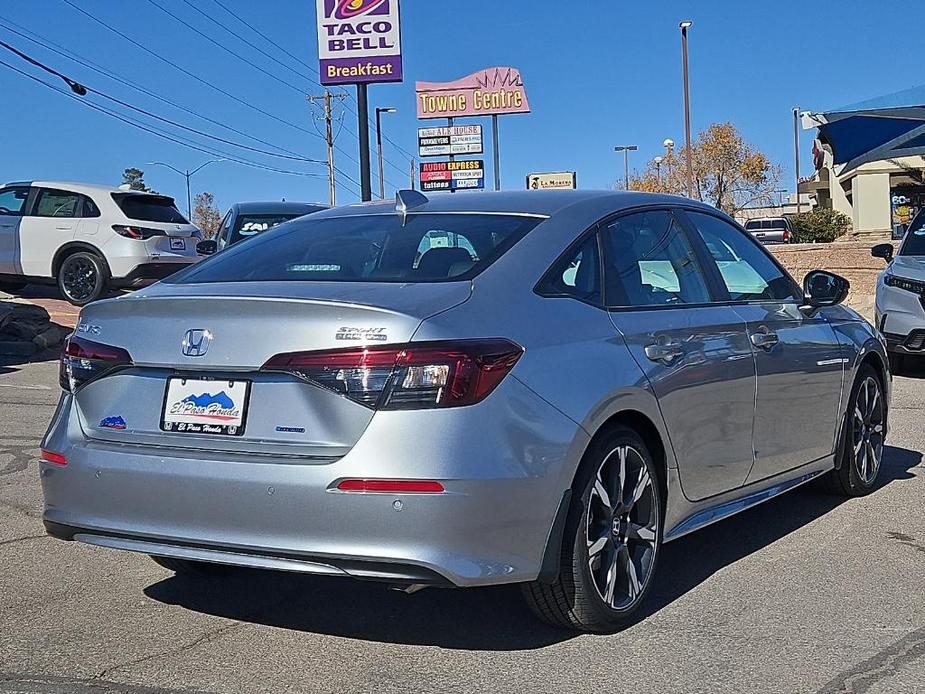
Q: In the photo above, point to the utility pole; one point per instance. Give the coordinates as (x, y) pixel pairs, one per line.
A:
(685, 25)
(796, 153)
(329, 138)
(412, 173)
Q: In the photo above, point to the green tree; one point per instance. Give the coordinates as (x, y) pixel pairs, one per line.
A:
(206, 215)
(135, 178)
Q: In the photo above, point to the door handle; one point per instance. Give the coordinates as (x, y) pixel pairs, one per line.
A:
(764, 340)
(64, 227)
(665, 352)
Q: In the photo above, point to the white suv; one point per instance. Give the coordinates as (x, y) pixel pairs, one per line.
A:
(89, 238)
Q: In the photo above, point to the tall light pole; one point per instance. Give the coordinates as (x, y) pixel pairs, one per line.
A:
(188, 175)
(626, 149)
(668, 144)
(658, 170)
(685, 25)
(796, 153)
(379, 112)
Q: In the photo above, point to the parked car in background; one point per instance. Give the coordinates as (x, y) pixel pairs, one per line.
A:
(772, 230)
(88, 238)
(900, 303)
(535, 387)
(247, 219)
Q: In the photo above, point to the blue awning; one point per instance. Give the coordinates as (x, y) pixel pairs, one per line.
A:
(885, 127)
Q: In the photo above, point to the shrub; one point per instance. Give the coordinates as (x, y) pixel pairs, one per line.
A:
(820, 225)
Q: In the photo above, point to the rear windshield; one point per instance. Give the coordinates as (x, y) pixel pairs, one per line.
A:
(369, 248)
(149, 208)
(248, 225)
(914, 241)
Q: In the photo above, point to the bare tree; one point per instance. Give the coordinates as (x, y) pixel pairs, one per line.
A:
(206, 215)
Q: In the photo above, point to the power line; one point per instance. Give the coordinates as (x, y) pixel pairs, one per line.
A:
(225, 48)
(154, 115)
(49, 45)
(186, 72)
(158, 133)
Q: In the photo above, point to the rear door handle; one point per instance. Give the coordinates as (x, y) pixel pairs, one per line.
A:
(65, 227)
(764, 340)
(665, 352)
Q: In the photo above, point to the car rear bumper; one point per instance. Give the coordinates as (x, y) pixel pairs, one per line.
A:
(148, 273)
(502, 486)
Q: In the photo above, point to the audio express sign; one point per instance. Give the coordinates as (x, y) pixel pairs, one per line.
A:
(441, 142)
(359, 41)
(453, 175)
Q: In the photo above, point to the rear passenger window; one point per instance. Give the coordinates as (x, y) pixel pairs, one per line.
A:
(649, 262)
(57, 203)
(748, 273)
(580, 275)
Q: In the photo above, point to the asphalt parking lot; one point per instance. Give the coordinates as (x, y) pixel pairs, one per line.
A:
(808, 593)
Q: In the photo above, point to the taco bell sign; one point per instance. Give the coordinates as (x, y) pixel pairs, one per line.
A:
(359, 41)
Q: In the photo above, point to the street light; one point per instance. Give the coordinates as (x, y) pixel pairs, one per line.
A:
(796, 153)
(379, 112)
(658, 170)
(668, 144)
(685, 25)
(626, 149)
(187, 174)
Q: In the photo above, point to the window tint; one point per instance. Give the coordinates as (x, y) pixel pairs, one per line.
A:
(747, 271)
(89, 208)
(753, 224)
(248, 225)
(778, 224)
(650, 262)
(914, 241)
(13, 200)
(56, 203)
(580, 275)
(366, 248)
(149, 208)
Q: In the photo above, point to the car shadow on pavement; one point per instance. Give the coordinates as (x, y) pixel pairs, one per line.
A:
(488, 618)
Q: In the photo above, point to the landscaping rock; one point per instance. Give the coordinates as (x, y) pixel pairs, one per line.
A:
(50, 337)
(18, 348)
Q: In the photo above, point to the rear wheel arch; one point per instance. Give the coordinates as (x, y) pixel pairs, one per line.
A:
(76, 247)
(650, 434)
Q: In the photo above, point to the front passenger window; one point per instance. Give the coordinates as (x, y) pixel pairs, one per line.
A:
(650, 262)
(748, 273)
(13, 200)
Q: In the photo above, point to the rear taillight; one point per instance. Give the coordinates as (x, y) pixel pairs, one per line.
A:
(52, 457)
(416, 375)
(83, 361)
(139, 233)
(786, 234)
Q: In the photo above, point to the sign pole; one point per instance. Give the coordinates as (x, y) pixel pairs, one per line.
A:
(366, 189)
(495, 146)
(449, 124)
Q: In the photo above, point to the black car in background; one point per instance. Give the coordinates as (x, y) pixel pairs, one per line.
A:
(247, 219)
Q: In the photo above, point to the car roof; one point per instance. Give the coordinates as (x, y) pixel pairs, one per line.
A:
(277, 206)
(77, 187)
(543, 203)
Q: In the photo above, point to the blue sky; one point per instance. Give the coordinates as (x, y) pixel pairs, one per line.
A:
(598, 73)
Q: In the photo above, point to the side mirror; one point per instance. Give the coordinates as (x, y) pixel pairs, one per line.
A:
(207, 247)
(883, 250)
(822, 289)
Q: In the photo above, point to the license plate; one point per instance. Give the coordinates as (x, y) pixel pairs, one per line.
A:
(178, 244)
(200, 406)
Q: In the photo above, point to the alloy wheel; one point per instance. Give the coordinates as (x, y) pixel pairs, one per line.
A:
(79, 278)
(868, 430)
(622, 528)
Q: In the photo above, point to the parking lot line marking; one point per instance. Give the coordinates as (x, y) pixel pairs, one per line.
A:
(14, 385)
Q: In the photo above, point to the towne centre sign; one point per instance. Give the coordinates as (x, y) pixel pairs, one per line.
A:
(495, 91)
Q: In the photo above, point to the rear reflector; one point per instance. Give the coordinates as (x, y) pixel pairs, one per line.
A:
(56, 458)
(416, 375)
(392, 486)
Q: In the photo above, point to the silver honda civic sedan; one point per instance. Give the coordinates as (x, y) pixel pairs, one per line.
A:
(538, 388)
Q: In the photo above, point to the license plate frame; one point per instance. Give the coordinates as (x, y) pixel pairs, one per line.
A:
(206, 411)
(177, 244)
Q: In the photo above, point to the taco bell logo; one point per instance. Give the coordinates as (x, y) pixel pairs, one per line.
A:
(359, 41)
(348, 9)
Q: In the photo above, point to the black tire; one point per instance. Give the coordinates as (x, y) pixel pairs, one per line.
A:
(196, 569)
(12, 287)
(577, 597)
(82, 277)
(853, 477)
